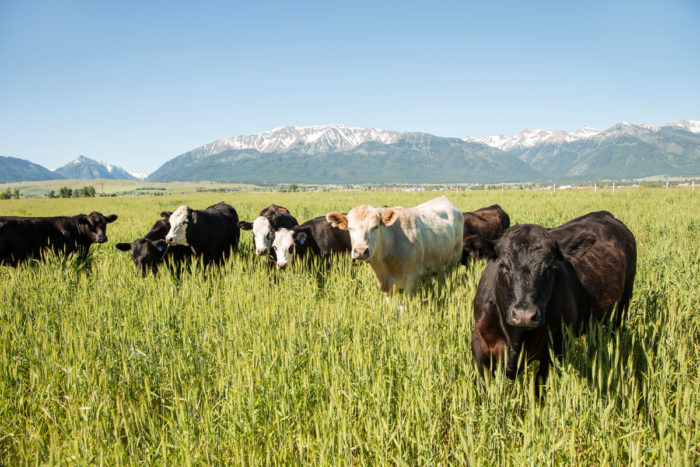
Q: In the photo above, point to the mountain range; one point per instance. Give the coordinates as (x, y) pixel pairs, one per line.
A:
(13, 169)
(340, 154)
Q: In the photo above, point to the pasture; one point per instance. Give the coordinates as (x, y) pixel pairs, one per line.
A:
(246, 365)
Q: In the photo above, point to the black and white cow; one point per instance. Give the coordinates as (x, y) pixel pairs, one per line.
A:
(22, 238)
(270, 220)
(152, 250)
(316, 237)
(211, 233)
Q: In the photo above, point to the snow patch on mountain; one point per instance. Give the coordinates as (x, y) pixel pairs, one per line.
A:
(309, 139)
(531, 137)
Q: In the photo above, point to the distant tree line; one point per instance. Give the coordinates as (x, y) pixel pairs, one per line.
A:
(10, 194)
(65, 192)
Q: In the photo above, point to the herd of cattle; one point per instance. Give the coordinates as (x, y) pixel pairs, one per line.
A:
(537, 280)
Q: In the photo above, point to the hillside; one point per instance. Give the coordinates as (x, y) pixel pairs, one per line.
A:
(412, 158)
(13, 169)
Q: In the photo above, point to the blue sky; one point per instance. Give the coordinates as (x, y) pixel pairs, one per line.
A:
(137, 83)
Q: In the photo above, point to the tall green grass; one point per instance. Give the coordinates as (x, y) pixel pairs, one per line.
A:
(245, 365)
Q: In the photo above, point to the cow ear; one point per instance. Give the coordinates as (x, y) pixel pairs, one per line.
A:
(337, 220)
(479, 247)
(300, 238)
(123, 246)
(111, 218)
(160, 245)
(166, 214)
(578, 245)
(245, 225)
(389, 216)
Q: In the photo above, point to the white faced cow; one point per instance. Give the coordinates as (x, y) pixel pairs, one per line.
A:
(270, 220)
(211, 233)
(404, 245)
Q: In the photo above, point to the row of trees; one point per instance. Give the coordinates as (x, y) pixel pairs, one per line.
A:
(9, 194)
(65, 192)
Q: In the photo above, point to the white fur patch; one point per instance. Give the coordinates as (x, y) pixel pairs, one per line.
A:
(284, 247)
(261, 229)
(178, 227)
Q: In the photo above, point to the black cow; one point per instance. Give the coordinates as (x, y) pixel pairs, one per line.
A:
(539, 279)
(316, 236)
(270, 220)
(211, 233)
(151, 250)
(489, 222)
(22, 238)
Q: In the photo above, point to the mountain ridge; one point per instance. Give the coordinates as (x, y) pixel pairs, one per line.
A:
(86, 168)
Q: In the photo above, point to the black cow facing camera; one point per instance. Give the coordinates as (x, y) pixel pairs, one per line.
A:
(538, 280)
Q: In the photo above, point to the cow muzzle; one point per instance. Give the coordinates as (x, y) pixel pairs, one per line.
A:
(281, 265)
(526, 317)
(360, 252)
(260, 251)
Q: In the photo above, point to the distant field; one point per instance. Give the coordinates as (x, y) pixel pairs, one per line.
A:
(109, 187)
(245, 365)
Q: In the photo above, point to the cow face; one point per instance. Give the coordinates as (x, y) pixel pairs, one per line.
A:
(179, 222)
(145, 253)
(365, 224)
(528, 261)
(94, 226)
(262, 235)
(283, 244)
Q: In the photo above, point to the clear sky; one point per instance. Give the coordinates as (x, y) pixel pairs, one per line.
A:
(135, 83)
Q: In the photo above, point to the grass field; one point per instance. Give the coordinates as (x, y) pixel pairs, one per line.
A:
(245, 365)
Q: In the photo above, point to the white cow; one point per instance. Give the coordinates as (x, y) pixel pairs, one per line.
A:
(403, 245)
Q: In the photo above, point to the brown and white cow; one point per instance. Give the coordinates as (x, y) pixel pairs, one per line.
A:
(403, 245)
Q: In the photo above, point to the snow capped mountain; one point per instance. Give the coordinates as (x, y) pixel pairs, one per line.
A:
(137, 175)
(309, 139)
(85, 168)
(692, 126)
(531, 137)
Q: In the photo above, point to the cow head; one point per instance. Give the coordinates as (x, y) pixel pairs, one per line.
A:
(528, 260)
(94, 225)
(145, 253)
(289, 243)
(179, 223)
(366, 225)
(262, 235)
(283, 244)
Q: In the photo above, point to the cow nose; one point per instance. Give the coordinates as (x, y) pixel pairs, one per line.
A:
(260, 251)
(525, 317)
(169, 240)
(281, 265)
(360, 252)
